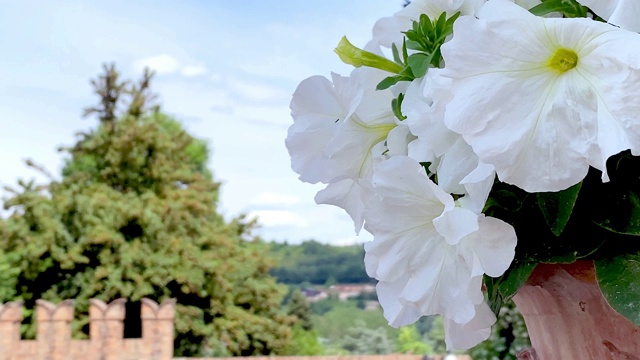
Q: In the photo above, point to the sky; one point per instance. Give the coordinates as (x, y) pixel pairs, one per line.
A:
(226, 69)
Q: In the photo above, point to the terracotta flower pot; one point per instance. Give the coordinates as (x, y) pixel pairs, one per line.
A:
(567, 316)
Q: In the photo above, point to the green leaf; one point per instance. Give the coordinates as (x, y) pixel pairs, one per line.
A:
(441, 23)
(414, 45)
(619, 280)
(451, 20)
(405, 53)
(569, 8)
(396, 54)
(388, 82)
(616, 204)
(503, 199)
(396, 106)
(419, 63)
(501, 289)
(626, 217)
(557, 207)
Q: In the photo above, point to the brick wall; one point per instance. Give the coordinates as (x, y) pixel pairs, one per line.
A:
(106, 330)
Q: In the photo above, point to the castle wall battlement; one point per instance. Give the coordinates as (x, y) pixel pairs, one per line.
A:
(106, 331)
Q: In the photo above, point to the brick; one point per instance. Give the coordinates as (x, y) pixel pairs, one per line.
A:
(106, 330)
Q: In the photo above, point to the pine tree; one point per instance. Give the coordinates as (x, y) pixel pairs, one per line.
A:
(360, 340)
(134, 216)
(300, 308)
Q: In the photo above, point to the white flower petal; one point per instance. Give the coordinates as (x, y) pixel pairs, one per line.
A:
(315, 107)
(348, 194)
(539, 128)
(455, 224)
(623, 13)
(477, 187)
(420, 150)
(467, 335)
(399, 139)
(349, 92)
(456, 164)
(431, 290)
(352, 149)
(389, 30)
(491, 248)
(339, 133)
(396, 312)
(425, 248)
(424, 105)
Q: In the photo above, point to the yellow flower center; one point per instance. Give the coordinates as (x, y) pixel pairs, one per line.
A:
(563, 60)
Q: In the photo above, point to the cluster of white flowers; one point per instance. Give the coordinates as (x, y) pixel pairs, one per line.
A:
(532, 100)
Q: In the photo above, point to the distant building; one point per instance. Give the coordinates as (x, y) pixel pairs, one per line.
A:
(372, 305)
(347, 291)
(314, 295)
(342, 291)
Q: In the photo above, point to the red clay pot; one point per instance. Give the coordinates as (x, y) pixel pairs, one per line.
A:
(567, 317)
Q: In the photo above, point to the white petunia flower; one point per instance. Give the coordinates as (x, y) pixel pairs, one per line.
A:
(465, 336)
(623, 13)
(451, 157)
(541, 99)
(317, 106)
(389, 30)
(339, 133)
(423, 105)
(428, 253)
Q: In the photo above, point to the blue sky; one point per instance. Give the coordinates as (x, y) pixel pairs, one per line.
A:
(226, 69)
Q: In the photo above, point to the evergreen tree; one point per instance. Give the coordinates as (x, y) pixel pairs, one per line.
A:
(300, 308)
(304, 343)
(134, 216)
(435, 336)
(360, 340)
(409, 342)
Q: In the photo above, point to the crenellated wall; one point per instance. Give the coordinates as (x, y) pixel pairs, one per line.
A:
(106, 330)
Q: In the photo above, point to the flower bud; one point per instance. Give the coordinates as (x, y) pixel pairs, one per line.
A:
(349, 54)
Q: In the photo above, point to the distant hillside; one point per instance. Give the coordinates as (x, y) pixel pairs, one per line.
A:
(319, 264)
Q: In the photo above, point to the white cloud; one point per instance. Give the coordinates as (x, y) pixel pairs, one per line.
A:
(188, 98)
(347, 241)
(162, 64)
(255, 91)
(272, 198)
(249, 156)
(194, 70)
(287, 66)
(166, 64)
(275, 115)
(278, 218)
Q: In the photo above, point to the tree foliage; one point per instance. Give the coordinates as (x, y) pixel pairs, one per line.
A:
(362, 340)
(304, 343)
(435, 336)
(409, 342)
(299, 307)
(319, 264)
(134, 215)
